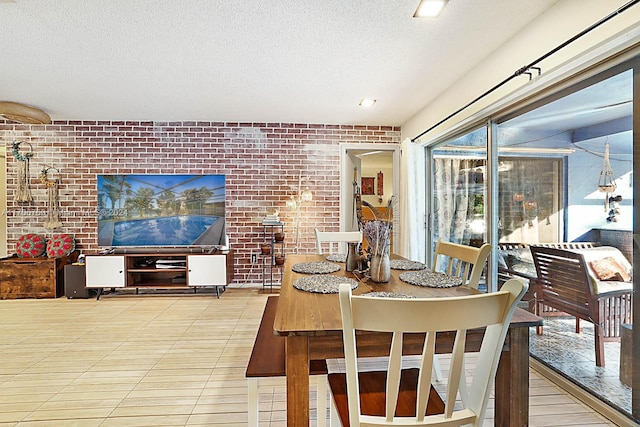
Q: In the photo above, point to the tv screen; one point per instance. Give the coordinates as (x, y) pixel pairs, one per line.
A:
(161, 210)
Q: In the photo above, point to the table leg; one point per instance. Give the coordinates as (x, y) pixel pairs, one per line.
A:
(297, 349)
(512, 381)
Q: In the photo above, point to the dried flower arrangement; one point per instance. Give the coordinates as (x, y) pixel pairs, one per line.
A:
(378, 235)
(378, 231)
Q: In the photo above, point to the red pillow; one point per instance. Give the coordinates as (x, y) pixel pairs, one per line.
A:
(31, 246)
(60, 245)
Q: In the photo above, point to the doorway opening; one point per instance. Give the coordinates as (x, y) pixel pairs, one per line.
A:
(371, 170)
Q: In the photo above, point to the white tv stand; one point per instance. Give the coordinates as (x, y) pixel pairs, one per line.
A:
(164, 270)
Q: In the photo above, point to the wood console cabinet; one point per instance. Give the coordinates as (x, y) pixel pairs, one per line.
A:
(32, 277)
(159, 270)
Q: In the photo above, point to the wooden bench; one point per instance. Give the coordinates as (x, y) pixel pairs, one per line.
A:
(515, 260)
(268, 361)
(564, 283)
(506, 269)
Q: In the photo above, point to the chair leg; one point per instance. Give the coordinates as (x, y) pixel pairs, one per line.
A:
(437, 372)
(253, 402)
(321, 388)
(539, 310)
(599, 341)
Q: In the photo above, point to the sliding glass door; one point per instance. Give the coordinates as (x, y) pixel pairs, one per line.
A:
(579, 137)
(537, 176)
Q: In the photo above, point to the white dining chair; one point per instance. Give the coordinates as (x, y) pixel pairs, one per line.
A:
(402, 396)
(334, 240)
(465, 262)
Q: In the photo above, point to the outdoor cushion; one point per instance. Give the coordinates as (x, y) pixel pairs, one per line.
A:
(599, 253)
(609, 269)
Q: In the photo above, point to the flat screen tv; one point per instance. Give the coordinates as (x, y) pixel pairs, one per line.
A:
(161, 210)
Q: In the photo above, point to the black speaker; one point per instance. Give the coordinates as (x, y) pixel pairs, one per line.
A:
(74, 282)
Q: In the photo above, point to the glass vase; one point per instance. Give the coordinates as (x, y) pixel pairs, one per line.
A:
(380, 268)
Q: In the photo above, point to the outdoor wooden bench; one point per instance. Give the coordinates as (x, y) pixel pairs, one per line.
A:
(565, 282)
(515, 260)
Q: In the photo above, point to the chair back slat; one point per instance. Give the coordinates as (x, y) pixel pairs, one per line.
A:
(393, 380)
(330, 241)
(465, 262)
(429, 316)
(424, 381)
(456, 371)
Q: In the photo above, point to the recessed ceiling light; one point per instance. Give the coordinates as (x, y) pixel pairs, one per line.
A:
(367, 102)
(429, 8)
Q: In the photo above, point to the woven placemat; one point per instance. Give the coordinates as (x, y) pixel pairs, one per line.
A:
(430, 279)
(337, 258)
(387, 295)
(323, 284)
(320, 267)
(401, 264)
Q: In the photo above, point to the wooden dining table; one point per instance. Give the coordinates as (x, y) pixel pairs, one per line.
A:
(312, 325)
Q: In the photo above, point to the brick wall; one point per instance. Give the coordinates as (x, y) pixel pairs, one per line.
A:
(261, 162)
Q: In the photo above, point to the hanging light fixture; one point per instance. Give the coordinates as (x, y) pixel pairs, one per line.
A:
(25, 114)
(606, 182)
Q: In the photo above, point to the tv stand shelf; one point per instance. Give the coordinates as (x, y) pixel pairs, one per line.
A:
(159, 271)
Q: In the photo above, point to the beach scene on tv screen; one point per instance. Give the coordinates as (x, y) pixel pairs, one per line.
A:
(161, 210)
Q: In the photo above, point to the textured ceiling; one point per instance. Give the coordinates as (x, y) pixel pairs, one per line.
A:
(244, 60)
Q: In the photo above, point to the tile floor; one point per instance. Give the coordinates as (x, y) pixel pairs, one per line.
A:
(161, 360)
(573, 355)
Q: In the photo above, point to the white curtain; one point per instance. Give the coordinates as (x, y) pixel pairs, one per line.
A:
(411, 202)
(457, 184)
(450, 177)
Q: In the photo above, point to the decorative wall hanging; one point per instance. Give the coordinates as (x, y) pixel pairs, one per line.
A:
(23, 194)
(53, 209)
(368, 186)
(380, 186)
